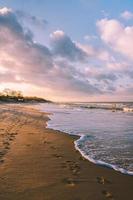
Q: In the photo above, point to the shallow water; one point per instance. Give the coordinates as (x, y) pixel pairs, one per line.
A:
(107, 137)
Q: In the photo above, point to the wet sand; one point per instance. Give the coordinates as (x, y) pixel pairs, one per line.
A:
(37, 163)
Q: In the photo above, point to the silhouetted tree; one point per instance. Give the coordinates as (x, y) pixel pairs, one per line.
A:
(12, 93)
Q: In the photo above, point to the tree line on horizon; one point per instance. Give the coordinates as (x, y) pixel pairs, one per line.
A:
(9, 95)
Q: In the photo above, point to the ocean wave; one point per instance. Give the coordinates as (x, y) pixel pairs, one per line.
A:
(89, 158)
(80, 128)
(99, 162)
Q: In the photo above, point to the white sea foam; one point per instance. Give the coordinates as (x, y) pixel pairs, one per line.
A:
(105, 137)
(99, 162)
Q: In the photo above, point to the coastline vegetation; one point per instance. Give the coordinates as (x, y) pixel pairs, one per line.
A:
(16, 96)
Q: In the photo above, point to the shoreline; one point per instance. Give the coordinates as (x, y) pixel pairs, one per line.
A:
(96, 162)
(89, 159)
(41, 163)
(100, 162)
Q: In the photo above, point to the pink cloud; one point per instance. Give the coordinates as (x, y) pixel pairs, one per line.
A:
(117, 36)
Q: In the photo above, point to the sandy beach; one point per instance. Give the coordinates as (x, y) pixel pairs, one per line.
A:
(37, 163)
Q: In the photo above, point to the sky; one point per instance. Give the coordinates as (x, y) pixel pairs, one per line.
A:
(74, 50)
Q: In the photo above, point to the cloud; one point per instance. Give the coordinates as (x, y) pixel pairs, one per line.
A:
(72, 78)
(127, 15)
(106, 76)
(18, 50)
(96, 53)
(4, 11)
(63, 46)
(117, 36)
(27, 62)
(129, 90)
(31, 19)
(7, 76)
(8, 20)
(64, 70)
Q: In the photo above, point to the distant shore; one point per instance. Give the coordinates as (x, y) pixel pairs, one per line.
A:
(4, 99)
(37, 163)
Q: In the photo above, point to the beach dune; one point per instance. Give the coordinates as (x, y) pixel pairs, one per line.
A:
(37, 163)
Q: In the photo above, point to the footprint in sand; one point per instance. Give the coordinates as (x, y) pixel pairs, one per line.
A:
(66, 164)
(70, 182)
(2, 153)
(28, 145)
(69, 161)
(7, 147)
(53, 147)
(6, 143)
(72, 166)
(11, 139)
(102, 180)
(108, 195)
(75, 168)
(1, 161)
(57, 155)
(82, 158)
(46, 142)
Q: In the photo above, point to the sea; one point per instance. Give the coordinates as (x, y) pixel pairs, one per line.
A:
(105, 131)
